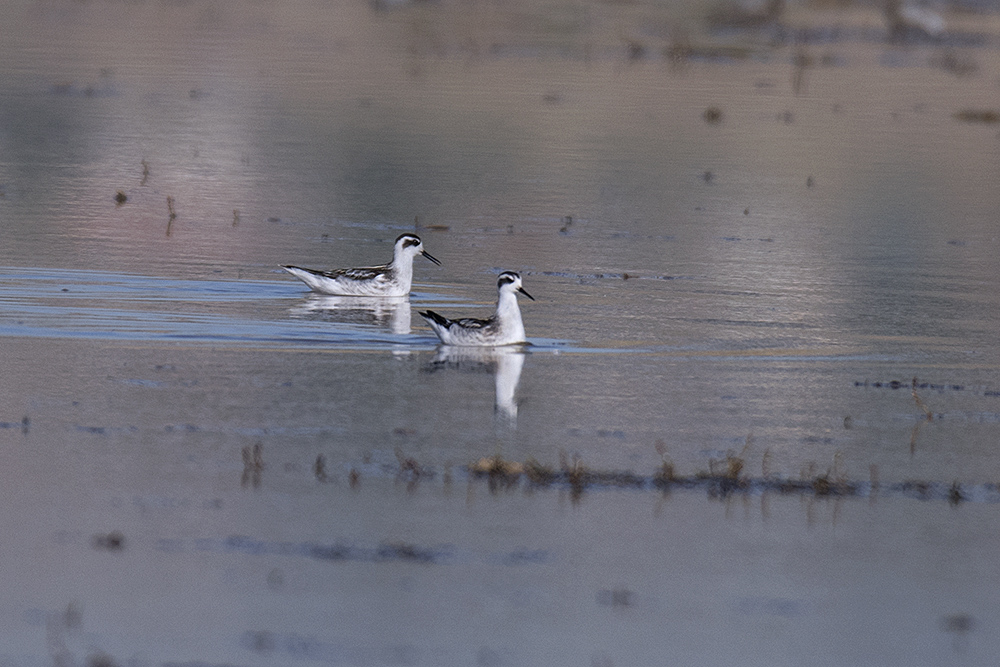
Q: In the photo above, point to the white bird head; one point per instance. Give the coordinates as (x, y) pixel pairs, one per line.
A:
(410, 245)
(510, 281)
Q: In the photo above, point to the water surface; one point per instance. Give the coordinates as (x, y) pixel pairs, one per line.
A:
(772, 248)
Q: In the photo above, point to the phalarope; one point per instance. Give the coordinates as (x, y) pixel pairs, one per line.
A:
(503, 328)
(392, 279)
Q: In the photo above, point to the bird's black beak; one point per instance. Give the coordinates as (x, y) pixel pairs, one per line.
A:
(525, 293)
(430, 257)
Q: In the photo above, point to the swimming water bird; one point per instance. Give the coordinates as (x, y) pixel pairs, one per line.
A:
(503, 328)
(908, 22)
(392, 279)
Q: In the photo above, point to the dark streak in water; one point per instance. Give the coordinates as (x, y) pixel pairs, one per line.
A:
(342, 552)
(721, 486)
(929, 386)
(602, 276)
(721, 481)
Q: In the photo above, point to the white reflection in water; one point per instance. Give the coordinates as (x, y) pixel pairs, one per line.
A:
(504, 362)
(391, 312)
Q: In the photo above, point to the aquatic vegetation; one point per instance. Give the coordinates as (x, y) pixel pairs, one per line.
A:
(801, 62)
(615, 597)
(666, 473)
(955, 493)
(172, 214)
(253, 466)
(24, 425)
(319, 468)
(712, 115)
(575, 474)
(539, 474)
(734, 466)
(725, 477)
(112, 541)
(404, 551)
(765, 464)
(500, 472)
(496, 466)
(986, 116)
(634, 50)
(921, 488)
(408, 465)
(410, 471)
(920, 403)
(386, 551)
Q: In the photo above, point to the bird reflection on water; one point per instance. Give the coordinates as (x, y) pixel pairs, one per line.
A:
(390, 312)
(504, 362)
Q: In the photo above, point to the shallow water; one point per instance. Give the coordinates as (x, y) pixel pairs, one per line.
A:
(764, 257)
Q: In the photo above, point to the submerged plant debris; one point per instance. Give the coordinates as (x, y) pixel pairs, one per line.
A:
(723, 478)
(986, 116)
(384, 552)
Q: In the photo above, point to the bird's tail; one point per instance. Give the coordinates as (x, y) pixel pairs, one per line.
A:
(433, 317)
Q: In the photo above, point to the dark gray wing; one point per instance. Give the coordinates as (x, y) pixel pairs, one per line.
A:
(465, 322)
(473, 323)
(366, 273)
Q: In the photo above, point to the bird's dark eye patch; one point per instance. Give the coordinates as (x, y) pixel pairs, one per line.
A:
(505, 280)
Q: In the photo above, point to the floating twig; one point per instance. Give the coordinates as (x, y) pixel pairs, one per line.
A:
(802, 61)
(955, 496)
(319, 468)
(667, 471)
(253, 465)
(170, 210)
(920, 403)
(408, 465)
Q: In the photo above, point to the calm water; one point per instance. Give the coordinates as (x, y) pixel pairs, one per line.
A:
(745, 244)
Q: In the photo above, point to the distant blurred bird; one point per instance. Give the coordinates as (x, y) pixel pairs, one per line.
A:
(907, 22)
